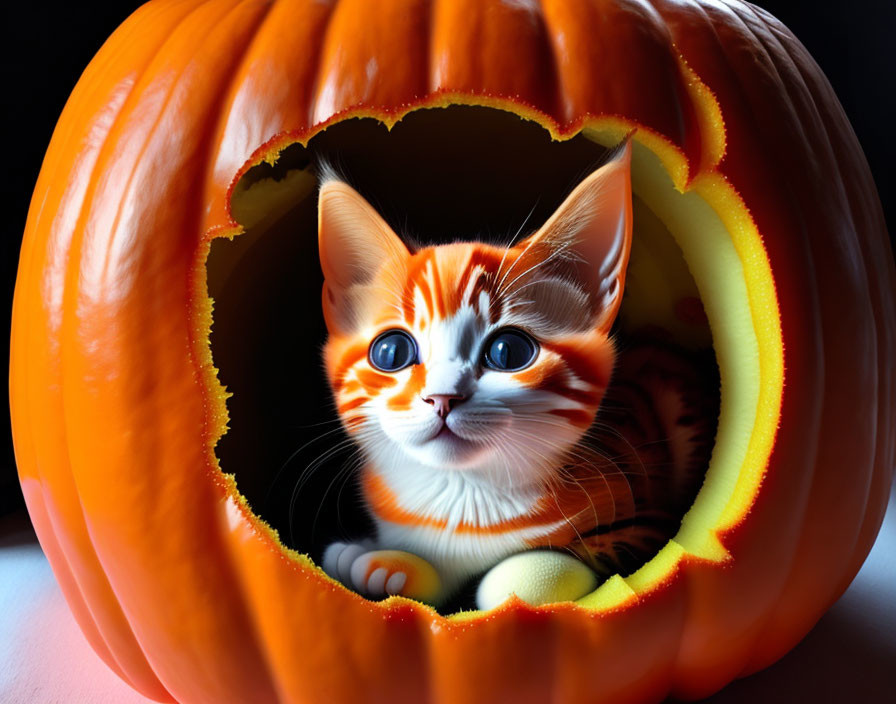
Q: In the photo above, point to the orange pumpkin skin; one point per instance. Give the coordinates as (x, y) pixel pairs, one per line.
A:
(178, 588)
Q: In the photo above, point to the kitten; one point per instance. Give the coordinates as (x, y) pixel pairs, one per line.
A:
(469, 375)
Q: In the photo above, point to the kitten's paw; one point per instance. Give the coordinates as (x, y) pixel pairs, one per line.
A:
(380, 573)
(338, 558)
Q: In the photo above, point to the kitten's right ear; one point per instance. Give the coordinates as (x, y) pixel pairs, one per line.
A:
(354, 242)
(588, 238)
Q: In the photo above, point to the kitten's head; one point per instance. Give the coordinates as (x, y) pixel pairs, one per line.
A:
(468, 356)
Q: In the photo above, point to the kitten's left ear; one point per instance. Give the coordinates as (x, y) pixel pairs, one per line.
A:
(354, 243)
(588, 238)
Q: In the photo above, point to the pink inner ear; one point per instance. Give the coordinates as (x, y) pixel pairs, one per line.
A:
(589, 236)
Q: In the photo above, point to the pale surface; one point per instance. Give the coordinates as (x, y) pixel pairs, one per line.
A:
(537, 577)
(44, 659)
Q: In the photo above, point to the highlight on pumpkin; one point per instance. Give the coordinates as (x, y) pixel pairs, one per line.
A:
(696, 286)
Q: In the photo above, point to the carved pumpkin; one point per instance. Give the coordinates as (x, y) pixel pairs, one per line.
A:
(741, 149)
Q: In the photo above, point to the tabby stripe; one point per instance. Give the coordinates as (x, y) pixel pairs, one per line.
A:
(350, 386)
(586, 364)
(350, 358)
(353, 404)
(437, 289)
(412, 284)
(463, 282)
(403, 399)
(556, 382)
(374, 381)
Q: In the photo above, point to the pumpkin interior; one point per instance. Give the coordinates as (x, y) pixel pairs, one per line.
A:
(473, 172)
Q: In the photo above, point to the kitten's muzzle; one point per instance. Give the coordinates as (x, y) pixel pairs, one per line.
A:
(443, 403)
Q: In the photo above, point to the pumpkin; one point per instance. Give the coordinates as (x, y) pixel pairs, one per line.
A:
(740, 149)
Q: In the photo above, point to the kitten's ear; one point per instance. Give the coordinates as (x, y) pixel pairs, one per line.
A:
(354, 242)
(588, 238)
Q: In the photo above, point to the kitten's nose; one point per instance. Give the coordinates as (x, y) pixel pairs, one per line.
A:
(443, 403)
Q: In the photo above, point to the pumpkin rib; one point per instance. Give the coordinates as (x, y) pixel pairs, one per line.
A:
(827, 153)
(294, 62)
(160, 57)
(548, 15)
(429, 64)
(881, 263)
(72, 249)
(554, 103)
(137, 672)
(226, 97)
(796, 105)
(72, 592)
(144, 678)
(481, 31)
(582, 51)
(314, 88)
(827, 150)
(367, 23)
(213, 402)
(798, 518)
(559, 106)
(232, 568)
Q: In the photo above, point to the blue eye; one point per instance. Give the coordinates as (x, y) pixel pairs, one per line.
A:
(393, 350)
(510, 350)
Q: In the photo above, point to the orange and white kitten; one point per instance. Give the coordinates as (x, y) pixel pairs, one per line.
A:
(468, 374)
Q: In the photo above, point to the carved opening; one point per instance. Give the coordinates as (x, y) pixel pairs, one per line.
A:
(438, 175)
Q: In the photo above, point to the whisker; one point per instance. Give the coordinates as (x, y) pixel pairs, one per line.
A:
(559, 251)
(308, 472)
(345, 473)
(292, 456)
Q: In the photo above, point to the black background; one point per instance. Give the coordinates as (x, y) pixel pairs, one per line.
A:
(46, 47)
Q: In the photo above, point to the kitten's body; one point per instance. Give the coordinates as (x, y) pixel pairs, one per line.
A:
(615, 499)
(468, 462)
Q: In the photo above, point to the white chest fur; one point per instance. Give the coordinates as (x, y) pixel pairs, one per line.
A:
(464, 520)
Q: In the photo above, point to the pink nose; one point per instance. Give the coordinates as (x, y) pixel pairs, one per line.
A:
(443, 403)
